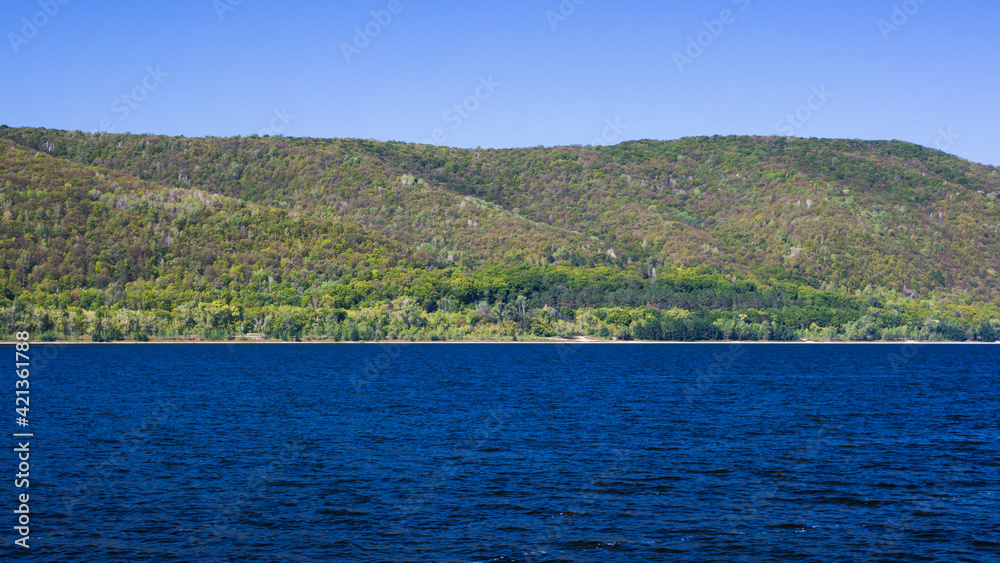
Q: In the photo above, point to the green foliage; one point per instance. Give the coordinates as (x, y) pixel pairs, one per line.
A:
(113, 237)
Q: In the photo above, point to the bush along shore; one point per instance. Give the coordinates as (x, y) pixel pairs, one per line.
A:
(530, 303)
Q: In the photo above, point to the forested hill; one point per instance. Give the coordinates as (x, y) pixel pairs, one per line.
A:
(340, 237)
(847, 212)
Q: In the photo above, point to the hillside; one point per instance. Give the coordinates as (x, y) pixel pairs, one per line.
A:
(847, 212)
(154, 236)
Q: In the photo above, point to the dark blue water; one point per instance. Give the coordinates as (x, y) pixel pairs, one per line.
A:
(508, 453)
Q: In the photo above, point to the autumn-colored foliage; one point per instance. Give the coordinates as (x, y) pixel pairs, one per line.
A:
(109, 236)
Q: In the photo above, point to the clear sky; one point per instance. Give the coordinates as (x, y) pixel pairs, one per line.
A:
(509, 73)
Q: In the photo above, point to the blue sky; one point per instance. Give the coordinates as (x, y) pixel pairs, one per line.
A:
(509, 74)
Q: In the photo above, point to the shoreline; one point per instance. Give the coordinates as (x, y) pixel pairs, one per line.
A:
(453, 342)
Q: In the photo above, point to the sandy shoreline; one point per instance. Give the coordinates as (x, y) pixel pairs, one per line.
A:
(549, 341)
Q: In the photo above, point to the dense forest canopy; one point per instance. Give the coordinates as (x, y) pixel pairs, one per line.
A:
(112, 236)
